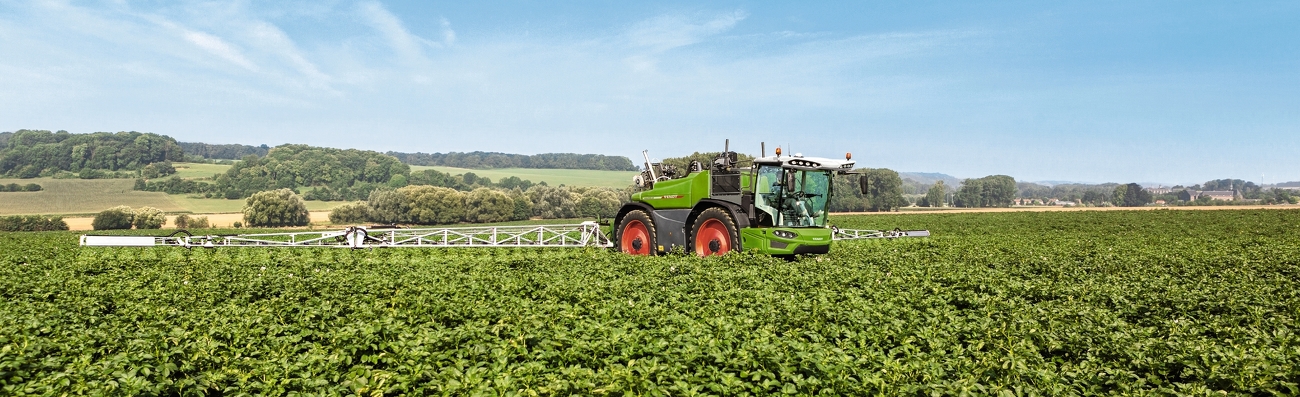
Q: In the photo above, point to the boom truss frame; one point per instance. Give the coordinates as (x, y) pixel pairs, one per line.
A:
(586, 234)
(838, 234)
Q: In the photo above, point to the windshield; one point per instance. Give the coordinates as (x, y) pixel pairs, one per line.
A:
(792, 198)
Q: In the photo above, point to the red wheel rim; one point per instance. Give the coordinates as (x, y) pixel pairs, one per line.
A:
(712, 239)
(635, 239)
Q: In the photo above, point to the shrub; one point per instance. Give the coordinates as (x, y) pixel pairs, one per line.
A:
(237, 225)
(13, 187)
(149, 218)
(199, 222)
(432, 205)
(120, 217)
(182, 221)
(280, 207)
(32, 187)
(32, 223)
(155, 170)
(350, 213)
(387, 206)
(487, 205)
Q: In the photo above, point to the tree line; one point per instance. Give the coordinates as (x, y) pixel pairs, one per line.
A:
(14, 187)
(436, 205)
(222, 151)
(31, 223)
(324, 174)
(490, 160)
(35, 153)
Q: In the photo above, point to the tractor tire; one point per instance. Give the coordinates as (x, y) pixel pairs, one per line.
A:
(714, 233)
(636, 234)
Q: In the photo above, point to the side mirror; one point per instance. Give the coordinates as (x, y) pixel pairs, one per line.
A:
(863, 184)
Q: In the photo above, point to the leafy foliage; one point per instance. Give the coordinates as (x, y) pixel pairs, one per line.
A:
(1066, 303)
(293, 166)
(280, 207)
(14, 187)
(148, 218)
(120, 217)
(31, 223)
(432, 205)
(487, 160)
(31, 153)
(350, 213)
(937, 194)
(217, 151)
(486, 205)
(1131, 195)
(989, 191)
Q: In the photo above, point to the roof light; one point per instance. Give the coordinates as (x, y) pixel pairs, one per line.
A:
(848, 156)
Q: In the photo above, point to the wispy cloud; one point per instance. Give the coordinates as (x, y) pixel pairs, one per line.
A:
(278, 43)
(671, 31)
(408, 46)
(448, 35)
(218, 47)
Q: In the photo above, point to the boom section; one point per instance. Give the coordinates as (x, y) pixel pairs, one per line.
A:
(586, 234)
(838, 234)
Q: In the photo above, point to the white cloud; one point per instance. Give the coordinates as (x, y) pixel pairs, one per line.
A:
(404, 43)
(448, 35)
(276, 41)
(216, 46)
(672, 31)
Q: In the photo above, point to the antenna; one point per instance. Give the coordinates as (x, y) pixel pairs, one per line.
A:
(646, 155)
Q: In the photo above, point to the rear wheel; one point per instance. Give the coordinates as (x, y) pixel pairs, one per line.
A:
(714, 233)
(636, 234)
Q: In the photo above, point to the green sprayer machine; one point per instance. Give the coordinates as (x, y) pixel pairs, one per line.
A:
(775, 205)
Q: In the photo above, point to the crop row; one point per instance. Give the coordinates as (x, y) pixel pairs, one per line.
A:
(1046, 303)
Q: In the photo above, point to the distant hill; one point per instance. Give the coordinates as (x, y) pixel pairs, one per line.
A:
(929, 178)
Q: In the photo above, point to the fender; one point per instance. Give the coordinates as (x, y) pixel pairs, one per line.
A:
(738, 214)
(629, 207)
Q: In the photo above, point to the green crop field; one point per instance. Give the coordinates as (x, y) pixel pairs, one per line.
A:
(553, 177)
(1052, 303)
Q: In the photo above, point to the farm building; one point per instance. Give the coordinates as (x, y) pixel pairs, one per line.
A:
(1226, 195)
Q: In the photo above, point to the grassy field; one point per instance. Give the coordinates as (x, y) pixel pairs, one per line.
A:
(1016, 303)
(198, 170)
(88, 196)
(553, 177)
(80, 196)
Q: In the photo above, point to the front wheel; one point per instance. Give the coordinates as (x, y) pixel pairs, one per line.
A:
(714, 233)
(636, 234)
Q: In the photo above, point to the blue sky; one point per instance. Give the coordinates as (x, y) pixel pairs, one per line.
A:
(1173, 92)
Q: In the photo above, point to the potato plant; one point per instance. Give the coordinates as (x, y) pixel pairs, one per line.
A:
(1066, 303)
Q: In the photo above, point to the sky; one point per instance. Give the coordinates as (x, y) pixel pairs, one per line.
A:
(1095, 91)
